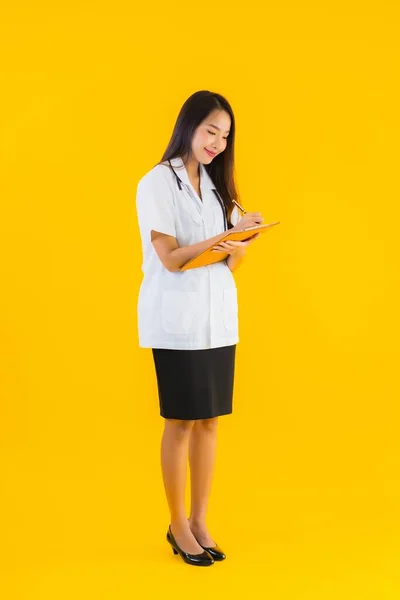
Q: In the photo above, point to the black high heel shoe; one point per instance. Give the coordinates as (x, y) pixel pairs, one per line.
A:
(214, 551)
(199, 560)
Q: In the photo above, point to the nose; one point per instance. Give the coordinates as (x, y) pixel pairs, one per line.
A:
(218, 144)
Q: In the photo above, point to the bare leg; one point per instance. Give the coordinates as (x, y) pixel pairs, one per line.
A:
(174, 450)
(202, 451)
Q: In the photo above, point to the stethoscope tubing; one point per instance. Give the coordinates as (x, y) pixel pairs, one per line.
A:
(179, 182)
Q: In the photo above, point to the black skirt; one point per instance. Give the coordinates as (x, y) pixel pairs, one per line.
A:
(195, 384)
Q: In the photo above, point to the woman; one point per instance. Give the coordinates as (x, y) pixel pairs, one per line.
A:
(190, 318)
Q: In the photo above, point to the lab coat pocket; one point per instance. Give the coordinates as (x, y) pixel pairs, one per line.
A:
(230, 308)
(179, 311)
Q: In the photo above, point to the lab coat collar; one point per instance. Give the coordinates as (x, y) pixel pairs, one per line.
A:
(206, 183)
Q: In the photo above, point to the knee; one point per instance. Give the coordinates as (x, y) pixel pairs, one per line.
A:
(179, 428)
(208, 425)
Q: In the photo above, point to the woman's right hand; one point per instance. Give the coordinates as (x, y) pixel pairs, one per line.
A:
(250, 219)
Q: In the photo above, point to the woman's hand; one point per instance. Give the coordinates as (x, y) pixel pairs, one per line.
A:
(249, 219)
(234, 248)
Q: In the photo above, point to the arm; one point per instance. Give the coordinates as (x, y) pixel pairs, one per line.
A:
(235, 260)
(172, 255)
(236, 250)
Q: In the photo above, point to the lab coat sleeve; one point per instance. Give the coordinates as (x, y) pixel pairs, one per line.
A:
(155, 206)
(235, 216)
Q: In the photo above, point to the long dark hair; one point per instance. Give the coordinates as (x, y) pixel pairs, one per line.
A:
(221, 169)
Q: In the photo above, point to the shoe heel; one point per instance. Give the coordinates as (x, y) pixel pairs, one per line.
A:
(174, 551)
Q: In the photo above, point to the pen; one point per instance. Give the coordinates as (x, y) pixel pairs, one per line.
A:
(239, 207)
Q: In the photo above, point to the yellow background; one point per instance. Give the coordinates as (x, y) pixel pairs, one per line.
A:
(306, 488)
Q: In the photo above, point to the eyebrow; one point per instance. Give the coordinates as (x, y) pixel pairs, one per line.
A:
(216, 127)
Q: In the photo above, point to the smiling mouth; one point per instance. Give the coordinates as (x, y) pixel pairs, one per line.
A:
(209, 152)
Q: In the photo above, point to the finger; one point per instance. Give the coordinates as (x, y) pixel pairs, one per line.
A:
(226, 246)
(231, 244)
(250, 241)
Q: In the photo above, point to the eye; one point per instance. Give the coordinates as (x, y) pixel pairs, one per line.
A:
(213, 133)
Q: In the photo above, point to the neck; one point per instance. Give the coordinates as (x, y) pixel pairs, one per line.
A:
(193, 169)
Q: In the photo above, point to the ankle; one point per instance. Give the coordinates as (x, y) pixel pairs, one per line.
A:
(179, 523)
(197, 521)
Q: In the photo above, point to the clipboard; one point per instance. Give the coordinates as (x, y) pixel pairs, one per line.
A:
(207, 257)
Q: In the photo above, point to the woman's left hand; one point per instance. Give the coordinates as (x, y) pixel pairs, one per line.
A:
(233, 247)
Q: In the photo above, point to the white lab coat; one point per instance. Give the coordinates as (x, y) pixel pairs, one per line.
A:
(188, 310)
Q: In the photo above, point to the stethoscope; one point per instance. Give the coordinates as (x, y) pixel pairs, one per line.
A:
(179, 182)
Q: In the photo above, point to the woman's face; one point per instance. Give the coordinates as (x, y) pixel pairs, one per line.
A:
(211, 136)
